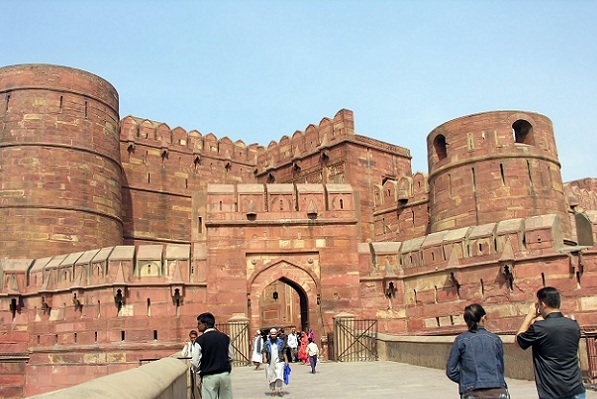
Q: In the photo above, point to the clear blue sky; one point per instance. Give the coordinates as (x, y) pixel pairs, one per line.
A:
(258, 70)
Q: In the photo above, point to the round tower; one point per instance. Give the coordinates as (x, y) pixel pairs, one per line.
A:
(60, 172)
(493, 166)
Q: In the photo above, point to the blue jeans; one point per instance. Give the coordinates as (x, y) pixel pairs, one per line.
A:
(313, 363)
(579, 396)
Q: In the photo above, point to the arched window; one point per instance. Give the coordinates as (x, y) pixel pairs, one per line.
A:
(523, 132)
(440, 146)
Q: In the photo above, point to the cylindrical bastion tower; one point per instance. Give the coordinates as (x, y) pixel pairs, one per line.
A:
(60, 172)
(493, 166)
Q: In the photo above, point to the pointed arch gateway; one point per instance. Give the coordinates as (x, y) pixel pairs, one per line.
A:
(303, 281)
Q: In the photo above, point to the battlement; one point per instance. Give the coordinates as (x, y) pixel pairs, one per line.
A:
(118, 266)
(398, 193)
(279, 201)
(328, 132)
(504, 242)
(138, 131)
(582, 194)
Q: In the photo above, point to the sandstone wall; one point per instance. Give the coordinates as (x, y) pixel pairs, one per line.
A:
(61, 176)
(494, 166)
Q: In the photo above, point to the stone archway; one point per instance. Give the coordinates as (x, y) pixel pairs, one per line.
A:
(305, 282)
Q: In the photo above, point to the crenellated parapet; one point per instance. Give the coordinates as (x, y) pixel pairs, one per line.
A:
(401, 208)
(144, 132)
(505, 241)
(275, 202)
(428, 280)
(581, 194)
(315, 138)
(393, 194)
(120, 267)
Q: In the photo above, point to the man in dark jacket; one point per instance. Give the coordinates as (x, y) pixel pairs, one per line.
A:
(212, 356)
(555, 347)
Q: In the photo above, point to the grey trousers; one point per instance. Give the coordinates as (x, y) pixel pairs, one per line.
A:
(216, 386)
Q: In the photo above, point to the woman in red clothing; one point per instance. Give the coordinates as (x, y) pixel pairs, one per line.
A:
(302, 353)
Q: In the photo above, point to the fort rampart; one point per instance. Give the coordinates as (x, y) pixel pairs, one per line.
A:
(116, 234)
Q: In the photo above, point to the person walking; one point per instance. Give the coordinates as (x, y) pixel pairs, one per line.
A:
(257, 356)
(476, 360)
(274, 352)
(312, 352)
(302, 351)
(212, 356)
(555, 347)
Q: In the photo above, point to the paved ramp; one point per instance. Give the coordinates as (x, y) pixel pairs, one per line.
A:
(364, 380)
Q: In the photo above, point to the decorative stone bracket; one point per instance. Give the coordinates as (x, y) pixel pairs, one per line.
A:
(119, 296)
(507, 270)
(177, 293)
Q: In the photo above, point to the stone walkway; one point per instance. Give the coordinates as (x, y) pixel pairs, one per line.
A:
(367, 380)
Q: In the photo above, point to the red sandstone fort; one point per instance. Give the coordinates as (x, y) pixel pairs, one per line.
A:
(116, 233)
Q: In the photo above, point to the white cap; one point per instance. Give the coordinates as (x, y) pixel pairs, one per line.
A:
(273, 330)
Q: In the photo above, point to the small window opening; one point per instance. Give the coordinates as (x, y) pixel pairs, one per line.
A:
(149, 178)
(75, 338)
(86, 109)
(95, 336)
(155, 335)
(440, 146)
(60, 107)
(502, 174)
(122, 336)
(200, 225)
(341, 204)
(482, 289)
(523, 132)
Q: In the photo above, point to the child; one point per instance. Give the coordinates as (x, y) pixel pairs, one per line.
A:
(312, 352)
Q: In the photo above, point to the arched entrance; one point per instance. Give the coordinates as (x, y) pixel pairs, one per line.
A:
(284, 304)
(300, 287)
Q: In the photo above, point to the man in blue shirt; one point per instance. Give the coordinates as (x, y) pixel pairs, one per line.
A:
(555, 347)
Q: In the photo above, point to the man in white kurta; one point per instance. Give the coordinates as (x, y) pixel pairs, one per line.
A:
(274, 352)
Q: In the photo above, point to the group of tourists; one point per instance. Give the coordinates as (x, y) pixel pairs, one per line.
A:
(211, 355)
(277, 350)
(476, 360)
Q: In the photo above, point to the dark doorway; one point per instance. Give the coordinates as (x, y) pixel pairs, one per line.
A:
(284, 304)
